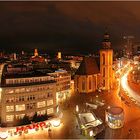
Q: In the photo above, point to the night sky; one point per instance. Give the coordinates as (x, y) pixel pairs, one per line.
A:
(66, 26)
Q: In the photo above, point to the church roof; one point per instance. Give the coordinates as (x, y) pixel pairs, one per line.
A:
(88, 67)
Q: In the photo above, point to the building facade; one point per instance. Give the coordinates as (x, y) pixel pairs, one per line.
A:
(26, 94)
(63, 81)
(106, 63)
(87, 76)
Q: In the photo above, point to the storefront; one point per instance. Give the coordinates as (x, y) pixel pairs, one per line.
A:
(7, 132)
(115, 117)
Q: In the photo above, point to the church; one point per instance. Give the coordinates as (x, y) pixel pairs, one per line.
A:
(36, 57)
(92, 75)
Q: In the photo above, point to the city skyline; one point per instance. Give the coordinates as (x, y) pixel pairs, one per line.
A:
(69, 70)
(66, 26)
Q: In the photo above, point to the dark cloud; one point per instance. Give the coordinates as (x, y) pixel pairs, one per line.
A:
(66, 26)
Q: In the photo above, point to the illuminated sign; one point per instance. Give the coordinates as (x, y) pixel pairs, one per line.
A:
(32, 126)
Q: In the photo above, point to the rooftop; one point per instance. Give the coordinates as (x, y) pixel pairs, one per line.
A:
(88, 67)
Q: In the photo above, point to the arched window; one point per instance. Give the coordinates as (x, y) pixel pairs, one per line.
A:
(83, 84)
(103, 56)
(103, 72)
(90, 81)
(110, 59)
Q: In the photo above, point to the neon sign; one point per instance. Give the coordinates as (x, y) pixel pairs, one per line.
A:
(32, 126)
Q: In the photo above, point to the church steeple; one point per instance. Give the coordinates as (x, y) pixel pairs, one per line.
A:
(106, 62)
(106, 41)
(35, 52)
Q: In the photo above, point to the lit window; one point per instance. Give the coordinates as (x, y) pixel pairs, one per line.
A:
(9, 118)
(50, 111)
(20, 116)
(103, 57)
(49, 102)
(17, 90)
(103, 72)
(42, 112)
(41, 104)
(11, 91)
(90, 82)
(9, 108)
(20, 107)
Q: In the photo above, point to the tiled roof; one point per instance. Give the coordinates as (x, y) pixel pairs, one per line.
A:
(88, 67)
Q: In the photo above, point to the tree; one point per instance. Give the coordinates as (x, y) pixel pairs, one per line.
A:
(34, 119)
(26, 120)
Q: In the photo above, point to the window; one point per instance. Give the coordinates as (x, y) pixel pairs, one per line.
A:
(21, 98)
(11, 91)
(41, 96)
(103, 72)
(42, 112)
(110, 58)
(110, 72)
(103, 83)
(31, 106)
(17, 90)
(83, 85)
(20, 107)
(49, 102)
(90, 81)
(50, 95)
(9, 118)
(20, 116)
(9, 108)
(103, 56)
(41, 104)
(49, 111)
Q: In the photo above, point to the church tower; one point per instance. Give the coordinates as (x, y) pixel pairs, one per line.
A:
(106, 62)
(35, 52)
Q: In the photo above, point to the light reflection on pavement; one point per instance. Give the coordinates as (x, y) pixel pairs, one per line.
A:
(125, 86)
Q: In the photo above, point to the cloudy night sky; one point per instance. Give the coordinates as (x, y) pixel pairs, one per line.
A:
(66, 26)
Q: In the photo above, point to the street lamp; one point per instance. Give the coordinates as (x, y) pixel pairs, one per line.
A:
(91, 133)
(77, 108)
(108, 107)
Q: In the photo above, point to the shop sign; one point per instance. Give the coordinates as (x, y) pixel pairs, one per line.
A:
(32, 126)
